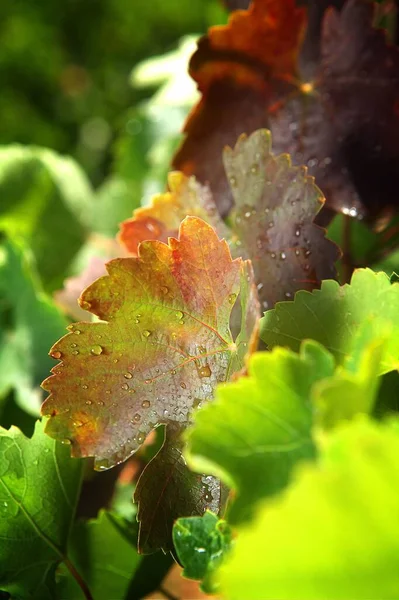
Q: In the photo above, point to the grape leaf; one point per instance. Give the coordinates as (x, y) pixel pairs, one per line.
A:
(201, 544)
(255, 455)
(333, 315)
(162, 218)
(275, 205)
(272, 223)
(29, 322)
(103, 550)
(163, 345)
(331, 106)
(332, 531)
(39, 488)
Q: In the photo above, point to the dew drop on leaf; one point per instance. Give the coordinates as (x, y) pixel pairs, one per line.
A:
(232, 298)
(57, 354)
(125, 386)
(146, 404)
(179, 314)
(128, 375)
(183, 385)
(205, 371)
(140, 438)
(146, 333)
(75, 352)
(96, 350)
(136, 418)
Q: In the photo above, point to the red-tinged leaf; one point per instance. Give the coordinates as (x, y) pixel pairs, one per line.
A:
(162, 218)
(233, 67)
(163, 345)
(334, 110)
(272, 221)
(166, 490)
(275, 207)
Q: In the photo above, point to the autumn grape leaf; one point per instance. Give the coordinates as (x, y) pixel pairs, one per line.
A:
(333, 315)
(272, 222)
(331, 104)
(162, 218)
(163, 344)
(275, 205)
(332, 530)
(39, 489)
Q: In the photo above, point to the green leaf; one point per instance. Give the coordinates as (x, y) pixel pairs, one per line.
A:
(39, 488)
(201, 544)
(259, 426)
(333, 314)
(103, 551)
(29, 322)
(353, 388)
(47, 199)
(334, 533)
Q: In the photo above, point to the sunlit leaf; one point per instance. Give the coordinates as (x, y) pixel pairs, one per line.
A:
(332, 531)
(39, 489)
(163, 345)
(259, 426)
(333, 315)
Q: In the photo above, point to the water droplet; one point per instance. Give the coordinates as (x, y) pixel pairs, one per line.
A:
(255, 169)
(259, 287)
(137, 321)
(247, 214)
(74, 345)
(57, 354)
(307, 253)
(146, 404)
(183, 385)
(232, 298)
(179, 314)
(146, 333)
(272, 255)
(107, 391)
(164, 289)
(288, 295)
(140, 438)
(85, 387)
(165, 413)
(283, 255)
(100, 403)
(77, 331)
(136, 418)
(128, 375)
(96, 350)
(205, 371)
(75, 352)
(271, 224)
(125, 386)
(202, 349)
(77, 423)
(116, 360)
(208, 498)
(297, 233)
(233, 181)
(297, 252)
(88, 402)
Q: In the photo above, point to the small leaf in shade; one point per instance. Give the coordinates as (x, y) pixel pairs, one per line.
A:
(39, 489)
(166, 490)
(29, 322)
(275, 205)
(259, 426)
(333, 315)
(334, 531)
(328, 96)
(201, 544)
(104, 553)
(163, 345)
(162, 218)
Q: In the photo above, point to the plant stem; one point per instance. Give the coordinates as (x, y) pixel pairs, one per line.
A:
(79, 580)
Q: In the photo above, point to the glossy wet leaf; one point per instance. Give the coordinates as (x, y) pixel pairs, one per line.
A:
(333, 315)
(201, 544)
(47, 199)
(329, 98)
(39, 488)
(104, 552)
(162, 345)
(29, 322)
(274, 208)
(259, 426)
(332, 530)
(272, 222)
